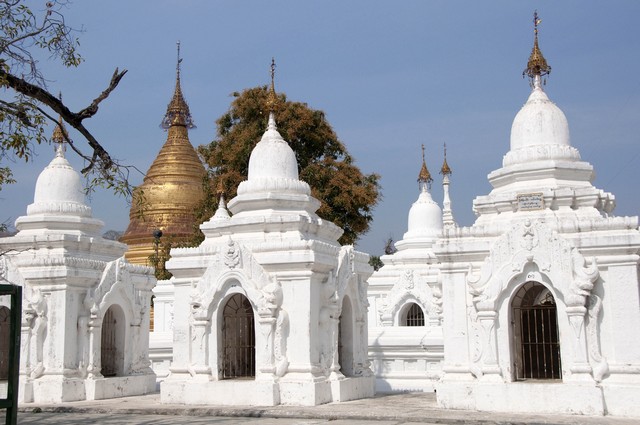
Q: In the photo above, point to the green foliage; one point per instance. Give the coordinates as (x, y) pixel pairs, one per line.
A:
(22, 33)
(25, 104)
(375, 262)
(158, 259)
(347, 195)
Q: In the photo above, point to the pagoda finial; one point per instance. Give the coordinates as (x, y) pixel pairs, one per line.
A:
(424, 177)
(178, 62)
(177, 111)
(445, 170)
(537, 66)
(60, 135)
(220, 188)
(272, 97)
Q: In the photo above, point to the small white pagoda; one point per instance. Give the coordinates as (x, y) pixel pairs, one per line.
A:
(405, 297)
(269, 309)
(85, 314)
(541, 294)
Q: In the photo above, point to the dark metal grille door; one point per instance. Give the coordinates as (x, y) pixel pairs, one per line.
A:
(109, 344)
(538, 345)
(415, 316)
(5, 342)
(238, 336)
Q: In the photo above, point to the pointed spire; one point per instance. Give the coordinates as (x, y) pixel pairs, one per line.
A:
(272, 97)
(221, 213)
(445, 170)
(447, 214)
(537, 66)
(60, 136)
(177, 111)
(424, 177)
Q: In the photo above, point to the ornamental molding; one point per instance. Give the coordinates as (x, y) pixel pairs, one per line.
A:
(273, 184)
(346, 271)
(230, 263)
(406, 289)
(60, 208)
(234, 269)
(540, 153)
(532, 243)
(116, 282)
(73, 262)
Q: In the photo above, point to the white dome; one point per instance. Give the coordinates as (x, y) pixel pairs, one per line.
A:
(539, 122)
(272, 157)
(59, 190)
(425, 217)
(273, 167)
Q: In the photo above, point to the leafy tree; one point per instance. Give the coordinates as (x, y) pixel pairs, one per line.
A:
(347, 195)
(375, 262)
(26, 105)
(389, 249)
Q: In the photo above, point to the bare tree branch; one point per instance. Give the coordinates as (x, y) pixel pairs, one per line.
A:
(100, 155)
(91, 110)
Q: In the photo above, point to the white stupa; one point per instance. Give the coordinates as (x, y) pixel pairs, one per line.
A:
(405, 298)
(269, 309)
(85, 328)
(540, 293)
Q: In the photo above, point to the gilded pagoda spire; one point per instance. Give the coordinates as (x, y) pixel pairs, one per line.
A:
(60, 135)
(445, 170)
(537, 66)
(424, 177)
(59, 138)
(447, 214)
(272, 97)
(172, 187)
(177, 111)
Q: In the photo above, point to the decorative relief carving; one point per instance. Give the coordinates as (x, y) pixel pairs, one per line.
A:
(235, 262)
(280, 343)
(601, 367)
(328, 323)
(476, 341)
(532, 242)
(36, 319)
(232, 255)
(404, 289)
(232, 261)
(436, 301)
(540, 152)
(346, 269)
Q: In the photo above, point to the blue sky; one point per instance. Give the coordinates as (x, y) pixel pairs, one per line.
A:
(389, 75)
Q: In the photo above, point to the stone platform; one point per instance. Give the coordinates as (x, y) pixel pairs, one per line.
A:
(385, 408)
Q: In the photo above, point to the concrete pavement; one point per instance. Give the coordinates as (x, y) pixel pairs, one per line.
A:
(391, 409)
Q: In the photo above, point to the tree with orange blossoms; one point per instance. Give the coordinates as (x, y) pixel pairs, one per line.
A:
(348, 196)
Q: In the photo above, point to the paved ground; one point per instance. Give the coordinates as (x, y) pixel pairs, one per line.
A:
(383, 409)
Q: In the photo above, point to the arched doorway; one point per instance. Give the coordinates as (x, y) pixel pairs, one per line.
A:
(113, 342)
(5, 342)
(535, 332)
(413, 316)
(238, 339)
(345, 338)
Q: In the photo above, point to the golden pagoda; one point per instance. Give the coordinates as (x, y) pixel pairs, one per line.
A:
(171, 189)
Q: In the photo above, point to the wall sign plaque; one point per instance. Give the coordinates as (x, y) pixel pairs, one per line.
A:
(530, 202)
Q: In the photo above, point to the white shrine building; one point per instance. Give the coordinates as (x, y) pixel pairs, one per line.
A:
(536, 305)
(269, 309)
(85, 310)
(405, 299)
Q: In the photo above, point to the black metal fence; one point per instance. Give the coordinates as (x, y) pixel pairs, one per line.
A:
(11, 340)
